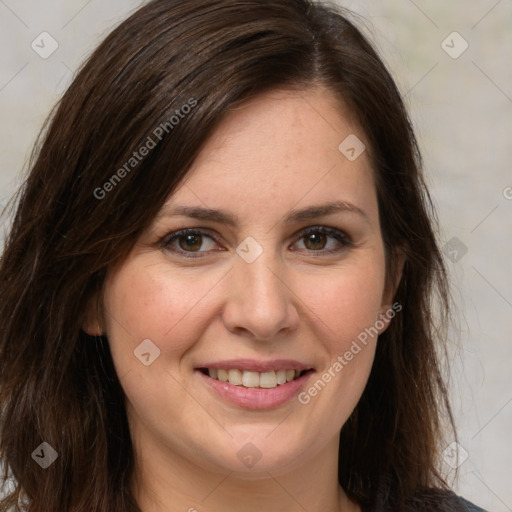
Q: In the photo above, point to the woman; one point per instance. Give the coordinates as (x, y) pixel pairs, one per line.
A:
(217, 290)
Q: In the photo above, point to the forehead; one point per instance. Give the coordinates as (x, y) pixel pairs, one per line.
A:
(279, 150)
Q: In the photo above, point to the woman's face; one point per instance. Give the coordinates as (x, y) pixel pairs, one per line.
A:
(282, 269)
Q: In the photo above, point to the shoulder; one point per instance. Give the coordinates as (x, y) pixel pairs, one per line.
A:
(442, 502)
(470, 507)
(436, 500)
(431, 500)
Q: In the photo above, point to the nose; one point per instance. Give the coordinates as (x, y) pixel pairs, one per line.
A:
(260, 302)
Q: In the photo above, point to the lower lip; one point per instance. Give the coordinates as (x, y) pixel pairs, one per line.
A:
(256, 398)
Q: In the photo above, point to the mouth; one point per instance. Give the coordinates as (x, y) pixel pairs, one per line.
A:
(254, 385)
(253, 379)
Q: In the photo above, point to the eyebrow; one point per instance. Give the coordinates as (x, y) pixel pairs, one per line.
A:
(295, 216)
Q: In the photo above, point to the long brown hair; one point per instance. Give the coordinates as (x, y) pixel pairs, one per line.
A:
(88, 198)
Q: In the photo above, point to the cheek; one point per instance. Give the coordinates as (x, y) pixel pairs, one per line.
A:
(348, 306)
(150, 302)
(346, 303)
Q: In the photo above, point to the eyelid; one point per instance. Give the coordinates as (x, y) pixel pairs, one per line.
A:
(341, 236)
(330, 231)
(166, 241)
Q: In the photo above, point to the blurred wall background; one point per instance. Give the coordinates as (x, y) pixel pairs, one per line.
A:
(453, 63)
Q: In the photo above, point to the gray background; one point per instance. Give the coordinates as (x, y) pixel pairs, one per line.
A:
(462, 110)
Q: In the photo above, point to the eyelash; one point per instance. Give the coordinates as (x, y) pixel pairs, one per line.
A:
(338, 235)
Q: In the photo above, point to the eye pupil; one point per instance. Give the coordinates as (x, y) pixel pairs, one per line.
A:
(316, 241)
(193, 242)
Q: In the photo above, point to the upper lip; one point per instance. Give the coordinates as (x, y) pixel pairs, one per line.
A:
(253, 365)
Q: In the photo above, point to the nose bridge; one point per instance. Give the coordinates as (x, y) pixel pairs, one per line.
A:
(260, 279)
(258, 262)
(259, 301)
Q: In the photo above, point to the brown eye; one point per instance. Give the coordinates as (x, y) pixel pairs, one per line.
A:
(323, 240)
(315, 241)
(190, 242)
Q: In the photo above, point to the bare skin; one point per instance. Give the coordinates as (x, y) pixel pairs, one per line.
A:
(306, 297)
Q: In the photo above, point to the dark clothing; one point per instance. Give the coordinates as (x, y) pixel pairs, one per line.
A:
(470, 507)
(430, 501)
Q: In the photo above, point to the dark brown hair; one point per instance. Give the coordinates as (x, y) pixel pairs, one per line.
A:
(78, 215)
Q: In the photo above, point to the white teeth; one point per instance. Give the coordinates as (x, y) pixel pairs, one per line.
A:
(235, 377)
(281, 376)
(251, 379)
(268, 380)
(222, 375)
(248, 379)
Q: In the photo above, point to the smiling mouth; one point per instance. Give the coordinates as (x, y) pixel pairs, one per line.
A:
(250, 379)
